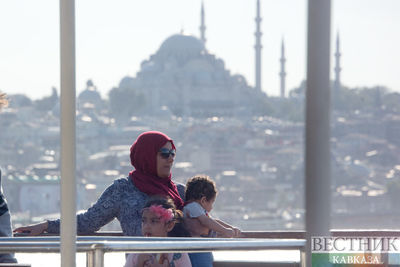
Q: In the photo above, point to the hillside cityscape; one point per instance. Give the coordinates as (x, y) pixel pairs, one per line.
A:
(255, 157)
(249, 142)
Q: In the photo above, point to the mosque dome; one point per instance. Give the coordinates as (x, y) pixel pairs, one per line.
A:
(90, 94)
(126, 82)
(181, 48)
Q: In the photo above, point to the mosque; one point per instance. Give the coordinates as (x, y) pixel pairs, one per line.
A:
(185, 78)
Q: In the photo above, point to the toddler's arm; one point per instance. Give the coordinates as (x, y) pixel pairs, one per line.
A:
(235, 229)
(194, 226)
(216, 226)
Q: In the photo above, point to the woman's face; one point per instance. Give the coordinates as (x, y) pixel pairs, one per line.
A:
(165, 160)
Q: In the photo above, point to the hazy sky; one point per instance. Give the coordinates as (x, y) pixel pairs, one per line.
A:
(114, 37)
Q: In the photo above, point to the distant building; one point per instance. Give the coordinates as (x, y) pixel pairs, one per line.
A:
(338, 68)
(282, 73)
(183, 76)
(258, 48)
(90, 97)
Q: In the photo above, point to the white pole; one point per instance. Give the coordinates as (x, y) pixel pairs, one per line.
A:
(317, 132)
(68, 180)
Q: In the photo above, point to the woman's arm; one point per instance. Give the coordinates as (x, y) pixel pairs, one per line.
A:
(102, 212)
(99, 214)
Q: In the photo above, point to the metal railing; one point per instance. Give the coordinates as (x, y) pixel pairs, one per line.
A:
(96, 246)
(99, 243)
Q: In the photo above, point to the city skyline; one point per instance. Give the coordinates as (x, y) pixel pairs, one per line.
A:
(113, 40)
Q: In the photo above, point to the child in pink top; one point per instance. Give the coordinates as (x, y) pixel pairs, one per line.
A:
(159, 218)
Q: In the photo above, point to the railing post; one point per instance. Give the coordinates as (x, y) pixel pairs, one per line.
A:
(98, 257)
(90, 259)
(95, 258)
(317, 134)
(303, 256)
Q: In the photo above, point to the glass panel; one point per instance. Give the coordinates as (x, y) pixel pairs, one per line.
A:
(365, 123)
(142, 65)
(29, 135)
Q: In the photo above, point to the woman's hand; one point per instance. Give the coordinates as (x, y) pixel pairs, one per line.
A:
(33, 229)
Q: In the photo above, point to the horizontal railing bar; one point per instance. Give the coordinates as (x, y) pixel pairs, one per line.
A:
(255, 235)
(300, 234)
(278, 234)
(156, 245)
(113, 238)
(170, 246)
(33, 247)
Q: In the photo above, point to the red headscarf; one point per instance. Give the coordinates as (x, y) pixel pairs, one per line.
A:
(144, 158)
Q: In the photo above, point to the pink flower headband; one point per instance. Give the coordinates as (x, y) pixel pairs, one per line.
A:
(165, 215)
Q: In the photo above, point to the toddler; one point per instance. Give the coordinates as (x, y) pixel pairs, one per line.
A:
(160, 218)
(200, 196)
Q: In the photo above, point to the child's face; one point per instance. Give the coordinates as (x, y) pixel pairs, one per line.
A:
(153, 226)
(207, 204)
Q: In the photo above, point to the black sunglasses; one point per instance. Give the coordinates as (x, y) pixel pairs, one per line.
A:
(165, 152)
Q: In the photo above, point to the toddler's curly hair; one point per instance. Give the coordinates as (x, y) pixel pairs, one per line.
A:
(200, 186)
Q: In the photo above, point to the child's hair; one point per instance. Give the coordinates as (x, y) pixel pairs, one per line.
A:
(200, 186)
(179, 229)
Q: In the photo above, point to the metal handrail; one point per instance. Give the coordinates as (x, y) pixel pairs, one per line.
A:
(96, 246)
(275, 234)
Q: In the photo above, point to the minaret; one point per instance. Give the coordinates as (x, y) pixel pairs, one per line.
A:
(258, 47)
(202, 25)
(338, 69)
(283, 72)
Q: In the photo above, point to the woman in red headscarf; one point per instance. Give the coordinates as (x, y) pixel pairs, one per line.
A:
(152, 155)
